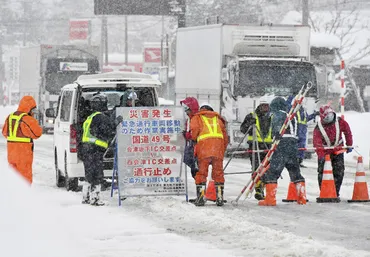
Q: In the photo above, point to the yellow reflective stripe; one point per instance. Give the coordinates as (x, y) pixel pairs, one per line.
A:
(87, 137)
(101, 143)
(212, 132)
(300, 121)
(267, 139)
(13, 132)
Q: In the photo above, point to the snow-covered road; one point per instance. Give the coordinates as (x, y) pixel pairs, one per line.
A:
(173, 227)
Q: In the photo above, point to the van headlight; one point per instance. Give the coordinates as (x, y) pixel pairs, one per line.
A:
(51, 121)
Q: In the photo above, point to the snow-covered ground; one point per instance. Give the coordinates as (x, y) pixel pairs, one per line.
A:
(46, 221)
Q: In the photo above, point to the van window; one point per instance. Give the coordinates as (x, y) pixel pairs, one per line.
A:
(65, 109)
(58, 106)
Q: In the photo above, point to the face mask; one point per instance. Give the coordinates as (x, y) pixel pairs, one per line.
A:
(328, 118)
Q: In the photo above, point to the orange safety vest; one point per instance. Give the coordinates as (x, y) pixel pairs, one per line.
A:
(12, 132)
(211, 129)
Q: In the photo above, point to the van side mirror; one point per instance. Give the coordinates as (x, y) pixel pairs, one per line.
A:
(50, 113)
(224, 75)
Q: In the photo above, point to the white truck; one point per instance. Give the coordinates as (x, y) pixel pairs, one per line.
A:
(45, 69)
(234, 67)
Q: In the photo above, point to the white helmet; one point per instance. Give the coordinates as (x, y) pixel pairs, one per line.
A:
(132, 96)
(206, 106)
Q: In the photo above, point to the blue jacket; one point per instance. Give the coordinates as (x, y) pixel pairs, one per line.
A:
(301, 127)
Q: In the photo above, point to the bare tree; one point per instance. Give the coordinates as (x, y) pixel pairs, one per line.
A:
(346, 25)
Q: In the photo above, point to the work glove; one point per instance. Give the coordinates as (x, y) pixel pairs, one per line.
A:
(118, 120)
(349, 149)
(337, 149)
(317, 113)
(186, 134)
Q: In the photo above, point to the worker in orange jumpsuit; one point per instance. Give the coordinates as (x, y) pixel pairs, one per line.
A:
(208, 130)
(20, 129)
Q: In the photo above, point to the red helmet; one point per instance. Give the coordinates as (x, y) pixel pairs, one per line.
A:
(190, 103)
(326, 114)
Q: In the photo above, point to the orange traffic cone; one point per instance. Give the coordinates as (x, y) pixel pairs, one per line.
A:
(211, 191)
(292, 194)
(360, 191)
(328, 194)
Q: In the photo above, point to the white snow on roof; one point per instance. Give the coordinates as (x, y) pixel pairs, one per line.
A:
(319, 39)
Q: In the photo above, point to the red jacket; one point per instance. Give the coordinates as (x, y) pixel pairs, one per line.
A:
(319, 141)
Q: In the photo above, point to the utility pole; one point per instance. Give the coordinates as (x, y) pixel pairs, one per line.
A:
(181, 22)
(103, 42)
(26, 7)
(2, 72)
(126, 40)
(106, 40)
(305, 12)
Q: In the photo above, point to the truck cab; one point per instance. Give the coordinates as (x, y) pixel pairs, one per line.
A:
(235, 67)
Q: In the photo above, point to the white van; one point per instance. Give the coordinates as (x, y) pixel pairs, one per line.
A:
(72, 111)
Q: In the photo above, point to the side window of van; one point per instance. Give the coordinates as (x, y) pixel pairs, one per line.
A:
(65, 108)
(58, 105)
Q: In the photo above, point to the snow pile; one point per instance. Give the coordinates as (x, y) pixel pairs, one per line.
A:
(30, 225)
(41, 221)
(359, 123)
(4, 112)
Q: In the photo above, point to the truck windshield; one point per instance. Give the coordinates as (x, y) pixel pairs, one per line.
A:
(280, 78)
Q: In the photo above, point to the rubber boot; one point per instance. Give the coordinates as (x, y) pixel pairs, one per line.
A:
(270, 199)
(300, 160)
(301, 192)
(219, 194)
(86, 187)
(95, 196)
(201, 190)
(260, 194)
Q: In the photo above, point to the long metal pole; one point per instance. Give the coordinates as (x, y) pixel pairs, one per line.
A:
(106, 40)
(126, 40)
(305, 12)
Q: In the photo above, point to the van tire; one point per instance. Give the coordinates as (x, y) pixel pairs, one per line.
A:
(60, 180)
(71, 184)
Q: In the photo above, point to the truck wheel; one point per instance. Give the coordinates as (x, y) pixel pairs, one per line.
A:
(71, 184)
(60, 180)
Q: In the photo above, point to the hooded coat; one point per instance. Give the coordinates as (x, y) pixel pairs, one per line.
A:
(189, 158)
(285, 155)
(20, 154)
(330, 129)
(265, 124)
(210, 147)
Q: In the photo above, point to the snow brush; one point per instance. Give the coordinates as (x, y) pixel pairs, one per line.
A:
(263, 167)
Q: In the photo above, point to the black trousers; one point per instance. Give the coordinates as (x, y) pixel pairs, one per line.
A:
(93, 163)
(285, 156)
(337, 162)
